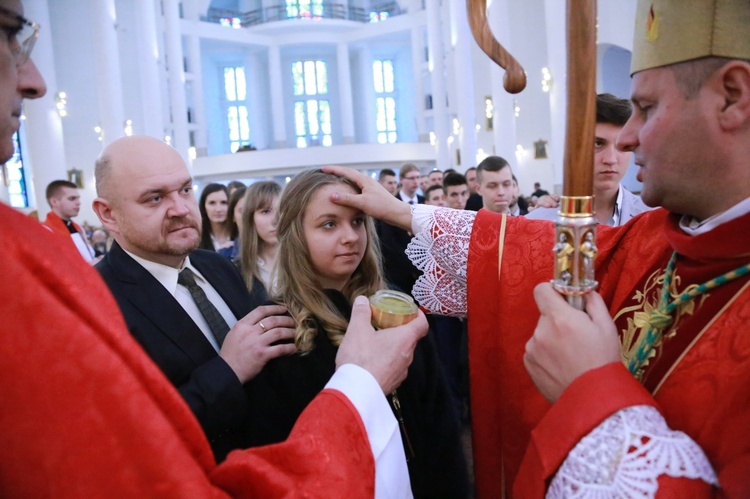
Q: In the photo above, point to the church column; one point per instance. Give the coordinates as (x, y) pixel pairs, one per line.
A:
(558, 62)
(149, 69)
(198, 107)
(504, 120)
(277, 97)
(176, 74)
(367, 95)
(465, 101)
(345, 93)
(44, 149)
(440, 122)
(109, 81)
(417, 64)
(191, 10)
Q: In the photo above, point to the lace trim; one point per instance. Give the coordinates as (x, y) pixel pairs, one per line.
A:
(625, 455)
(440, 249)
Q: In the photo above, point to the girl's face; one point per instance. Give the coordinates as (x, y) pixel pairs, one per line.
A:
(265, 222)
(216, 207)
(335, 235)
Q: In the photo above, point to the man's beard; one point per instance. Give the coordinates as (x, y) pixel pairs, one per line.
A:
(162, 245)
(181, 247)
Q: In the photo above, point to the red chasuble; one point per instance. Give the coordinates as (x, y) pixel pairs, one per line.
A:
(697, 377)
(85, 413)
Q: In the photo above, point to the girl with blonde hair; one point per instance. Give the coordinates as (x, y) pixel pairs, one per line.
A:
(258, 236)
(329, 254)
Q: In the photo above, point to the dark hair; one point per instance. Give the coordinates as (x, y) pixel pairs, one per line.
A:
(454, 179)
(234, 198)
(471, 168)
(613, 110)
(54, 187)
(235, 184)
(449, 170)
(433, 188)
(491, 164)
(206, 223)
(386, 172)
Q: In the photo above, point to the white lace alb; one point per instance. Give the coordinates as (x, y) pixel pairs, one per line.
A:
(625, 455)
(440, 249)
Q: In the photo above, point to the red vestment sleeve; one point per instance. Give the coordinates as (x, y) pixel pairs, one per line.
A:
(589, 400)
(304, 465)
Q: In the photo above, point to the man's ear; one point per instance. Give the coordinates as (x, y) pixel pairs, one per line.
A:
(103, 210)
(735, 81)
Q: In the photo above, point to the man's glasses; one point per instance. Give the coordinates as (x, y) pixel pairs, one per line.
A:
(412, 178)
(21, 38)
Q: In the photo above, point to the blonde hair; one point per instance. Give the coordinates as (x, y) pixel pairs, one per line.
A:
(258, 196)
(297, 284)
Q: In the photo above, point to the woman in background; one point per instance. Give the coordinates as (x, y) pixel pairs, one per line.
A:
(328, 255)
(234, 222)
(213, 207)
(258, 237)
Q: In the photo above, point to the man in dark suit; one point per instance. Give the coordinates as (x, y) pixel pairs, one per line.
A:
(398, 269)
(409, 176)
(188, 308)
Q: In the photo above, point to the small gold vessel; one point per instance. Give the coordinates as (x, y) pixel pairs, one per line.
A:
(391, 308)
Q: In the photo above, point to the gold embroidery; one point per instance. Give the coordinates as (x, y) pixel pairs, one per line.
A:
(633, 335)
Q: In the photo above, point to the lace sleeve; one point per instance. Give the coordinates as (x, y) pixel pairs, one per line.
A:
(440, 249)
(625, 455)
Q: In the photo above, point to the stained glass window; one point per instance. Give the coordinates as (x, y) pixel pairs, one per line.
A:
(304, 9)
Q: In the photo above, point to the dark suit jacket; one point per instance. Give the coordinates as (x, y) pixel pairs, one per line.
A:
(176, 344)
(474, 203)
(399, 272)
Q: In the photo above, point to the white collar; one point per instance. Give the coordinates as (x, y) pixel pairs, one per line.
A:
(618, 206)
(694, 227)
(414, 199)
(165, 274)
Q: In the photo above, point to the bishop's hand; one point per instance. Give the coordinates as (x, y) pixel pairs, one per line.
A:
(568, 342)
(374, 200)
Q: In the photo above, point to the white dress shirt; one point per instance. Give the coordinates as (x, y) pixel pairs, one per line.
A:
(411, 200)
(167, 276)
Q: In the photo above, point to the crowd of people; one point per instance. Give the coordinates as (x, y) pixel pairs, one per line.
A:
(222, 344)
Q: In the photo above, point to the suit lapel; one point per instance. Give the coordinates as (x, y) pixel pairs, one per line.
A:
(147, 295)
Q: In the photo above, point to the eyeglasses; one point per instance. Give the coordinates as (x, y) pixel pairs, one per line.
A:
(21, 38)
(413, 177)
